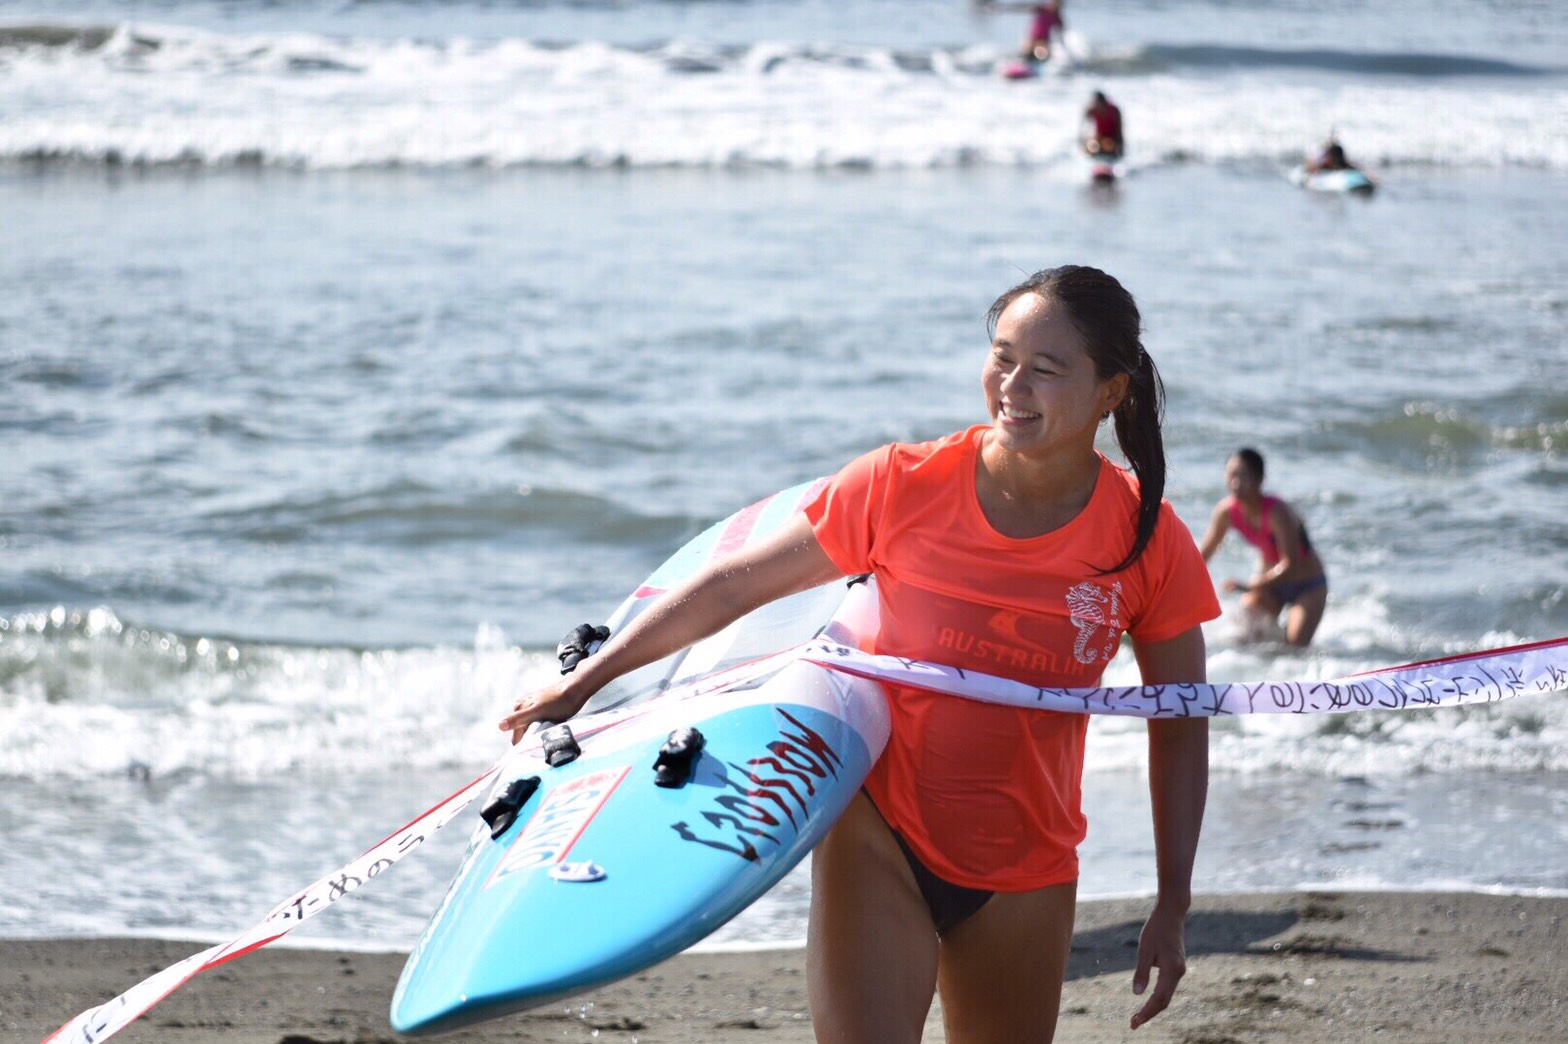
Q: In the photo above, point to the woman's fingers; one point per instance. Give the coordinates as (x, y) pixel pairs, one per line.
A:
(524, 713)
(548, 704)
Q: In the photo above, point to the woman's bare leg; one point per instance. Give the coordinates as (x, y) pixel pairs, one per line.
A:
(1261, 611)
(1301, 623)
(1001, 971)
(871, 952)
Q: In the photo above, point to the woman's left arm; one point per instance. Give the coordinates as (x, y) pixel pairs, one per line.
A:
(1286, 527)
(1178, 789)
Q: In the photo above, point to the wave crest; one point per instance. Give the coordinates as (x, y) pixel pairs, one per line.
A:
(132, 95)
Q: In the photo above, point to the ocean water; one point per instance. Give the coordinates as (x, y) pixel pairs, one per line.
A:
(352, 353)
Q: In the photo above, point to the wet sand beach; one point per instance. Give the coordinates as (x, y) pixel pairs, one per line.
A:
(1304, 967)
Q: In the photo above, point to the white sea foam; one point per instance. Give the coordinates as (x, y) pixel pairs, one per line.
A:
(154, 704)
(166, 95)
(85, 696)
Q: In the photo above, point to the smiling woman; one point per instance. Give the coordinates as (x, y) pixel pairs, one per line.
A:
(1071, 336)
(1046, 401)
(956, 867)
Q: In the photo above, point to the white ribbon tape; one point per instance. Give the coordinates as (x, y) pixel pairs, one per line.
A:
(101, 1023)
(1483, 677)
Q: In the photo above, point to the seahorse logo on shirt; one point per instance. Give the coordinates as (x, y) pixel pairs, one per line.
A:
(1093, 607)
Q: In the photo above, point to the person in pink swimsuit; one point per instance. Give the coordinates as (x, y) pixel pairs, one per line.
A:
(1290, 577)
(1047, 21)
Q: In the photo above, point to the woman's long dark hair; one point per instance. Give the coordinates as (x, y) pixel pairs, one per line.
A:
(1106, 316)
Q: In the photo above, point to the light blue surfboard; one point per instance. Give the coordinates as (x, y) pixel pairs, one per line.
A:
(1351, 181)
(600, 871)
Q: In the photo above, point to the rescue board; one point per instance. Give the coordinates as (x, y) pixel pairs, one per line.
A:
(1349, 181)
(1104, 167)
(591, 869)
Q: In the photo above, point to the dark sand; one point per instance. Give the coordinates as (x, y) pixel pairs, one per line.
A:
(1315, 967)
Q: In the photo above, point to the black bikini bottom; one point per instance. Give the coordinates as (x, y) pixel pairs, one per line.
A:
(950, 904)
(1294, 589)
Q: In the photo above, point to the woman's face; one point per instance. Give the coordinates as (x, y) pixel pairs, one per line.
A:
(1239, 478)
(1041, 388)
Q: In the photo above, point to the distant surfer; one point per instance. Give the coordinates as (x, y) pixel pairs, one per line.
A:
(1290, 577)
(1045, 22)
(1013, 547)
(1332, 157)
(1102, 126)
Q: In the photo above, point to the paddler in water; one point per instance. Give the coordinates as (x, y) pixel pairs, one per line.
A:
(1331, 158)
(1046, 21)
(1290, 575)
(1102, 124)
(955, 868)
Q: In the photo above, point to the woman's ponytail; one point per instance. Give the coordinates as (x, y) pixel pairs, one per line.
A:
(1138, 419)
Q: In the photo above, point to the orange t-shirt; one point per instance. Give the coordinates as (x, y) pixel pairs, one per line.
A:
(989, 796)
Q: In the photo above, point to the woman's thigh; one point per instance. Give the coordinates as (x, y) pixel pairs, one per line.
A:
(1301, 623)
(1001, 971)
(871, 953)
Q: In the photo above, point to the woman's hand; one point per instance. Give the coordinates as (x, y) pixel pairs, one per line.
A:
(556, 702)
(1178, 790)
(787, 561)
(1161, 945)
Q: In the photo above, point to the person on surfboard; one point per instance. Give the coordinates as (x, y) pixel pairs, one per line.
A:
(1045, 22)
(1332, 157)
(1015, 547)
(1290, 576)
(1102, 125)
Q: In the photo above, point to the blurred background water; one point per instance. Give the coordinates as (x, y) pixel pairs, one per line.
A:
(352, 353)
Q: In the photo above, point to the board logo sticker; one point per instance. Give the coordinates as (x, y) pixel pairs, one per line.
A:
(767, 797)
(563, 815)
(585, 872)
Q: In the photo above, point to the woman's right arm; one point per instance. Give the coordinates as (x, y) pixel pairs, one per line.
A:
(1219, 525)
(789, 561)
